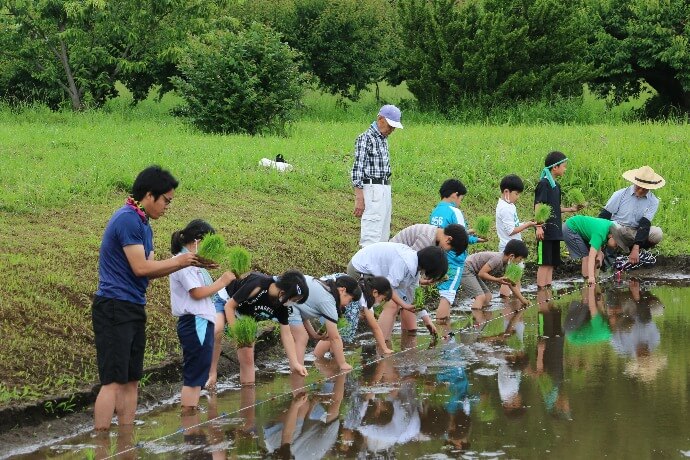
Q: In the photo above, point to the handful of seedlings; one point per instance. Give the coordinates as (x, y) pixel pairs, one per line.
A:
(482, 226)
(513, 273)
(243, 332)
(419, 298)
(576, 197)
(214, 249)
(542, 212)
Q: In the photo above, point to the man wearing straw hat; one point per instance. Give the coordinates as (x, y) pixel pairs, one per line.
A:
(633, 209)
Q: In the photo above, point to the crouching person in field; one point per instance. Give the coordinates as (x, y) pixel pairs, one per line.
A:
(405, 269)
(326, 300)
(265, 297)
(585, 237)
(489, 266)
(125, 264)
(633, 209)
(190, 299)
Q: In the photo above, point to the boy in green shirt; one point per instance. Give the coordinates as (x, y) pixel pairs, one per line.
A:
(585, 236)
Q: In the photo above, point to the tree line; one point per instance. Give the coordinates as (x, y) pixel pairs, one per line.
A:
(241, 65)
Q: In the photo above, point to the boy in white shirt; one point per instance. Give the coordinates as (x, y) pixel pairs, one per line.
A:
(508, 226)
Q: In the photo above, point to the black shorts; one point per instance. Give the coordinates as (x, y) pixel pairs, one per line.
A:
(119, 328)
(549, 252)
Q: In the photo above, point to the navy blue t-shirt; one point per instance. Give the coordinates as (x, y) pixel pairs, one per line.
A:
(116, 280)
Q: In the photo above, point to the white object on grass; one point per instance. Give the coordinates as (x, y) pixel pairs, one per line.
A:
(280, 166)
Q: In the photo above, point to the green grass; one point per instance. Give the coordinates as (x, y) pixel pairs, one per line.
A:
(63, 175)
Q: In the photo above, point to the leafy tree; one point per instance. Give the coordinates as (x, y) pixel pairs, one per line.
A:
(82, 48)
(642, 41)
(244, 81)
(491, 51)
(347, 45)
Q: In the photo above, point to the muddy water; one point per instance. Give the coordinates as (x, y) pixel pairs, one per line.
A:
(585, 374)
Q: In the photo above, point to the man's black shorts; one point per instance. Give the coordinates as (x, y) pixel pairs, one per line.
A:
(120, 331)
(549, 253)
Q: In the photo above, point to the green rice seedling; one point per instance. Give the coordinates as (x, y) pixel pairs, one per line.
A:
(212, 247)
(542, 212)
(238, 260)
(513, 273)
(343, 323)
(419, 298)
(243, 332)
(576, 197)
(482, 226)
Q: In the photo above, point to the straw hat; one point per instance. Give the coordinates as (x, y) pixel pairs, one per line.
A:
(644, 177)
(645, 368)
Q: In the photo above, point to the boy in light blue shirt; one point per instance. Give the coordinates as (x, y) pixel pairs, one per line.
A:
(447, 212)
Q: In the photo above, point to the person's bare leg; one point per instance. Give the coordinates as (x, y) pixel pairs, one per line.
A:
(408, 320)
(387, 319)
(301, 338)
(190, 396)
(322, 348)
(104, 408)
(218, 332)
(443, 311)
(544, 275)
(126, 403)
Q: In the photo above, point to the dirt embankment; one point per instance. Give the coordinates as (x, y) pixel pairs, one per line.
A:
(55, 416)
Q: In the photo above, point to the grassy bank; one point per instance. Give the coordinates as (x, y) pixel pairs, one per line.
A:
(64, 174)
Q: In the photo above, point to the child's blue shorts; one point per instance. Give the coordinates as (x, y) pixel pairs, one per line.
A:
(196, 338)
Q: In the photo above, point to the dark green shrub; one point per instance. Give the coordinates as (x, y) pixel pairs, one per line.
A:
(244, 81)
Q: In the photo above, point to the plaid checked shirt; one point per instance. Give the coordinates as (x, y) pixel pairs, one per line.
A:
(371, 157)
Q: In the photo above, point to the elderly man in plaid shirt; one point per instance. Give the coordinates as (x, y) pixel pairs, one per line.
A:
(371, 174)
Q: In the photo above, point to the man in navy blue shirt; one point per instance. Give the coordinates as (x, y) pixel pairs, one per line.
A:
(125, 265)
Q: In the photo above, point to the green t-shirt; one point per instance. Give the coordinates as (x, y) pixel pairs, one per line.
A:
(593, 230)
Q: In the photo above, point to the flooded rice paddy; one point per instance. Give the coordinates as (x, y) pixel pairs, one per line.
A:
(587, 373)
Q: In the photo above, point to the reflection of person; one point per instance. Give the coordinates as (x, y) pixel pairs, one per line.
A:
(125, 265)
(585, 323)
(371, 174)
(638, 337)
(190, 298)
(452, 239)
(309, 428)
(265, 297)
(633, 209)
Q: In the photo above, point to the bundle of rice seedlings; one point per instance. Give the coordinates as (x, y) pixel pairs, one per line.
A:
(542, 212)
(343, 323)
(212, 247)
(576, 197)
(243, 332)
(513, 273)
(238, 260)
(482, 226)
(419, 298)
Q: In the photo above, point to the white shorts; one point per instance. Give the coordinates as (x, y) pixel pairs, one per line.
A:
(449, 295)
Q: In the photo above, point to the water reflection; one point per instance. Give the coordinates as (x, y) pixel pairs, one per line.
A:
(582, 369)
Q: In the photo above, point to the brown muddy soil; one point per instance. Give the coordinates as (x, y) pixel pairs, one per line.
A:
(32, 423)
